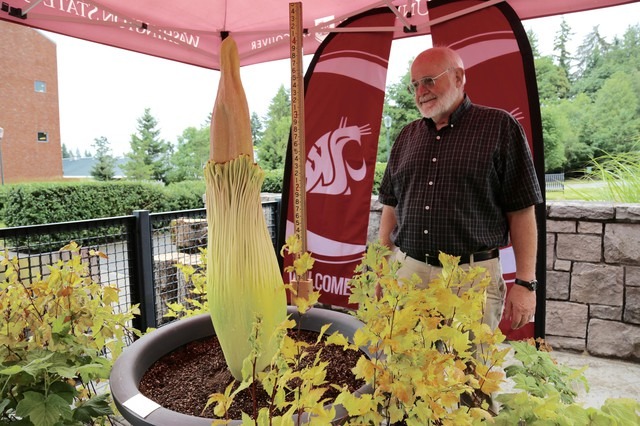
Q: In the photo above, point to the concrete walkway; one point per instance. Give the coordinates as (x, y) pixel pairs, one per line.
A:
(607, 378)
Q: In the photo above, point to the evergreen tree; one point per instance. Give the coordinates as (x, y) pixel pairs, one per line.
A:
(590, 54)
(149, 156)
(65, 152)
(560, 47)
(533, 42)
(256, 129)
(191, 155)
(272, 149)
(105, 165)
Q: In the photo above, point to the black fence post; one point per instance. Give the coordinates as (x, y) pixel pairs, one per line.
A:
(144, 270)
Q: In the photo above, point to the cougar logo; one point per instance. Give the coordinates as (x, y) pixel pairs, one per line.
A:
(326, 169)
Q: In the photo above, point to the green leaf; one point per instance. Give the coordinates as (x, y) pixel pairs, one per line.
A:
(625, 410)
(98, 369)
(43, 411)
(93, 408)
(10, 371)
(64, 390)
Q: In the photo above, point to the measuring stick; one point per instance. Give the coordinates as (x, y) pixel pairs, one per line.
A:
(297, 124)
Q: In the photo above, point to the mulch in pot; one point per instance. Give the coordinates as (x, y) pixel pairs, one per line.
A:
(184, 379)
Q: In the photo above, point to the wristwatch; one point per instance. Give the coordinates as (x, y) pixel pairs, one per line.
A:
(531, 285)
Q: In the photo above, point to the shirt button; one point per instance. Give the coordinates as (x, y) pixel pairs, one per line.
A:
(430, 183)
(438, 137)
(427, 207)
(433, 160)
(426, 232)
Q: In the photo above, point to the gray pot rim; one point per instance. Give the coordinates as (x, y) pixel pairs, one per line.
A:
(136, 359)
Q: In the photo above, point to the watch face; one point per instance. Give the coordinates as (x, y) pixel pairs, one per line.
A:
(533, 285)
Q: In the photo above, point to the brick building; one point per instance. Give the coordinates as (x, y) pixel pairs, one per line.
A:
(29, 114)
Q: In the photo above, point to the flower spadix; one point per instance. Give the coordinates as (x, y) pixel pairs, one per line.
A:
(243, 276)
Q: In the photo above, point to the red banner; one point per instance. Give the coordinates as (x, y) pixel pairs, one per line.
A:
(500, 73)
(344, 97)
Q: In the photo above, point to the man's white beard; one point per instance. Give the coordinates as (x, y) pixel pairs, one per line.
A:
(441, 106)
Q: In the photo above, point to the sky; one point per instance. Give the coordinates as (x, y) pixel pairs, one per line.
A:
(103, 91)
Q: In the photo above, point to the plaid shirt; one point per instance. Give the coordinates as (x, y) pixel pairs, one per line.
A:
(452, 187)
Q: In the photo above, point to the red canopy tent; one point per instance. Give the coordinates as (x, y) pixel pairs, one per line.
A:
(191, 32)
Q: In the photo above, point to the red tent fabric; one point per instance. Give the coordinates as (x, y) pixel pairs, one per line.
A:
(191, 32)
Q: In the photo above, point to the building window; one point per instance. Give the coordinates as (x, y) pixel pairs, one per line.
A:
(43, 137)
(40, 86)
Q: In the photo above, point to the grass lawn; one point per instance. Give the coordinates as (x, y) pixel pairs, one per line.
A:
(576, 189)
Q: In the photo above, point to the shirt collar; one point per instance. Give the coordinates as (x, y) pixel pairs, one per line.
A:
(457, 114)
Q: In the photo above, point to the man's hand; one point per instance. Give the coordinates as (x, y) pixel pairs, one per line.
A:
(520, 306)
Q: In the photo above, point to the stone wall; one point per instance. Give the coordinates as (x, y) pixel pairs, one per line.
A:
(593, 276)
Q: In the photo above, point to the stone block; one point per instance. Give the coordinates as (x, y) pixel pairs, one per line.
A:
(567, 319)
(606, 312)
(580, 210)
(597, 283)
(563, 265)
(632, 305)
(590, 227)
(614, 339)
(566, 343)
(562, 226)
(622, 243)
(587, 248)
(628, 212)
(551, 250)
(558, 285)
(632, 276)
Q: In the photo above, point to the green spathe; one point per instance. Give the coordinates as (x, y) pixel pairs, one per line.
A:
(243, 276)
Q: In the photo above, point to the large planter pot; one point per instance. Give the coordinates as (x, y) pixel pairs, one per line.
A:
(132, 364)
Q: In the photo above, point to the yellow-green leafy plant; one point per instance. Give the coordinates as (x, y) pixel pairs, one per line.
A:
(425, 371)
(546, 394)
(243, 274)
(59, 336)
(196, 301)
(302, 265)
(437, 362)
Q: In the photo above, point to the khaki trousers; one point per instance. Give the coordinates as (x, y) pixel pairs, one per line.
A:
(495, 297)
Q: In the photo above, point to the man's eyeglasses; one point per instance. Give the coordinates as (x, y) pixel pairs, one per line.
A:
(426, 82)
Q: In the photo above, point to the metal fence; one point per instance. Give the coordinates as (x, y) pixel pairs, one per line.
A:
(142, 251)
(554, 182)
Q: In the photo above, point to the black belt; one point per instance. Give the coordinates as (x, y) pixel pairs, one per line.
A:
(465, 258)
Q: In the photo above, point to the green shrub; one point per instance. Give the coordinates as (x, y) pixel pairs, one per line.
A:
(39, 203)
(273, 181)
(377, 177)
(185, 195)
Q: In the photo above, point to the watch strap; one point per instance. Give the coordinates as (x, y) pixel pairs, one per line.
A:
(531, 285)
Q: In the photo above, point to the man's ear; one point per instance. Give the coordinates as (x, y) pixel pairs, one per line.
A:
(460, 76)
